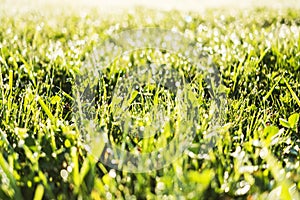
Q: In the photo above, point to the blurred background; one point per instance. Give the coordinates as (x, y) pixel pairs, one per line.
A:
(107, 6)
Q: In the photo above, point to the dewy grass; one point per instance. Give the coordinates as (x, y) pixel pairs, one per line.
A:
(254, 154)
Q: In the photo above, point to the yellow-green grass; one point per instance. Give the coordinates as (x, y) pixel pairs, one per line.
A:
(255, 154)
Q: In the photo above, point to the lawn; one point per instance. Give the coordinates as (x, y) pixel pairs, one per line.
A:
(237, 113)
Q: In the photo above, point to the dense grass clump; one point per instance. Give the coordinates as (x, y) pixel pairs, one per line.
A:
(256, 153)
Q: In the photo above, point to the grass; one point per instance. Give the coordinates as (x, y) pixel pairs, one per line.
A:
(256, 152)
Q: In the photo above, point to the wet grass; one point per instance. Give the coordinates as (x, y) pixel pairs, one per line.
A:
(255, 155)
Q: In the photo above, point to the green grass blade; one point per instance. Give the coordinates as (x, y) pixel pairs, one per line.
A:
(292, 92)
(39, 192)
(46, 109)
(11, 78)
(5, 167)
(271, 91)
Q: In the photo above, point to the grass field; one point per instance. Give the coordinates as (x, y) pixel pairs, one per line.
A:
(255, 153)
